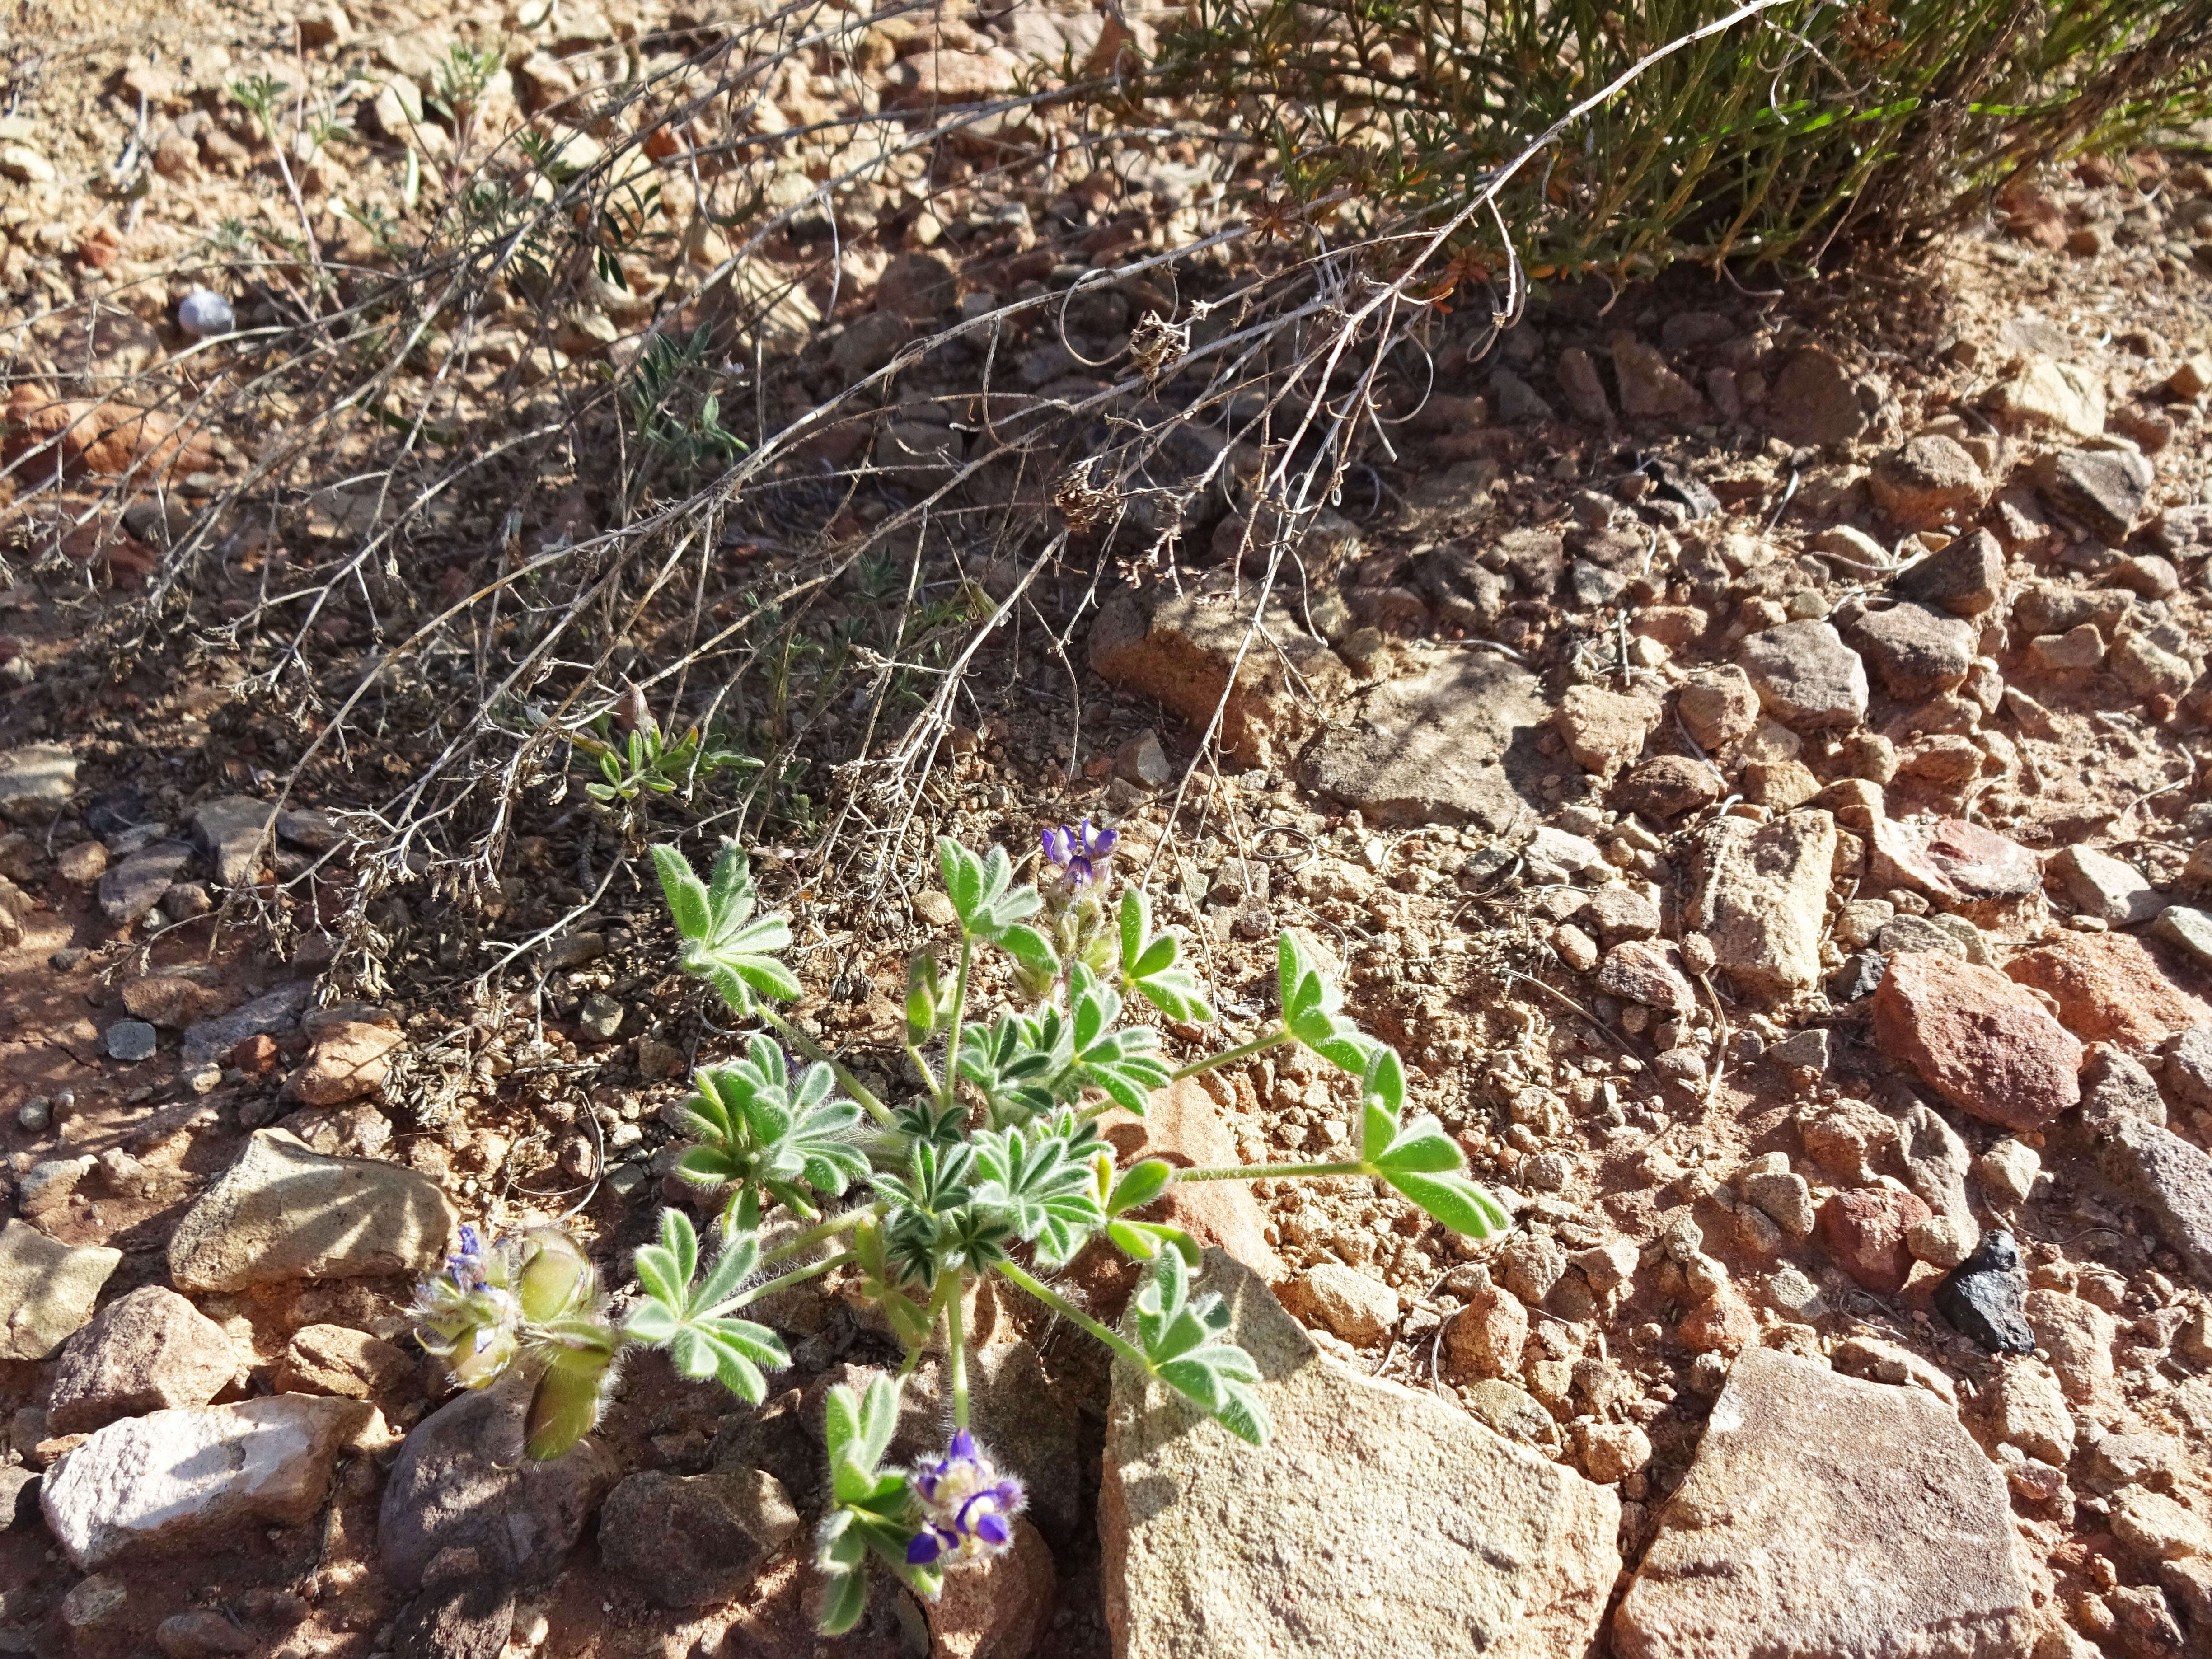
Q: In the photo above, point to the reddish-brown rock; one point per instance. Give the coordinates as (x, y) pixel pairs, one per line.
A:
(1648, 971)
(1864, 1231)
(1486, 1337)
(2113, 988)
(1984, 1043)
(349, 1060)
(1723, 1323)
(1960, 865)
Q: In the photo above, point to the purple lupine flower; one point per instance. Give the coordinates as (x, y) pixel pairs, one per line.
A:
(1081, 854)
(466, 1267)
(967, 1509)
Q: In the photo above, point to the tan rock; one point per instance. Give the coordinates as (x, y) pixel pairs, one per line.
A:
(1825, 1516)
(1764, 901)
(1605, 730)
(349, 1060)
(282, 1211)
(339, 1360)
(1381, 1522)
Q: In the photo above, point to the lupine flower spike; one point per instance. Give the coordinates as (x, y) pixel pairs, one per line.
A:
(967, 1510)
(1081, 854)
(469, 1314)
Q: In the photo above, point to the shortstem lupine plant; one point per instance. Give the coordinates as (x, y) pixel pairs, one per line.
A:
(994, 1167)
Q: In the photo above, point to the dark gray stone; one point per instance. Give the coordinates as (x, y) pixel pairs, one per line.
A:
(230, 830)
(471, 1619)
(462, 1482)
(1858, 976)
(133, 886)
(1984, 1295)
(1518, 403)
(2169, 1176)
(692, 1540)
(273, 1014)
(131, 1040)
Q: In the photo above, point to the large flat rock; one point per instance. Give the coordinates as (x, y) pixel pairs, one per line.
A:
(1454, 743)
(1381, 1522)
(1830, 1518)
(285, 1211)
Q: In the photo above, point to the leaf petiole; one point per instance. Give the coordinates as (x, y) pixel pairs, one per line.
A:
(1254, 1171)
(813, 1051)
(1075, 1315)
(1261, 1045)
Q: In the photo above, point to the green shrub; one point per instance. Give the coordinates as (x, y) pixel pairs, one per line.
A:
(1765, 139)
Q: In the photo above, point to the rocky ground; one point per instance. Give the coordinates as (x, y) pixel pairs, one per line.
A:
(1747, 750)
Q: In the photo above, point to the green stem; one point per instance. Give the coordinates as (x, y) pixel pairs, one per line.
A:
(950, 1092)
(958, 1332)
(1075, 1315)
(813, 1235)
(1259, 1044)
(796, 1276)
(1254, 1171)
(813, 1051)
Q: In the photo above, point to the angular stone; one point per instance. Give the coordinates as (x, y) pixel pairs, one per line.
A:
(2149, 670)
(694, 1540)
(1932, 480)
(1815, 400)
(999, 1610)
(150, 1351)
(1936, 1161)
(462, 1482)
(2111, 988)
(36, 781)
(1806, 677)
(2052, 396)
(1961, 866)
(465, 1617)
(1619, 912)
(1179, 651)
(1665, 787)
(1585, 392)
(1864, 1231)
(1453, 745)
(1965, 578)
(131, 1041)
(1605, 730)
(46, 1289)
(1978, 1039)
(176, 1478)
(2104, 488)
(2079, 650)
(340, 1360)
(1648, 971)
(1983, 1297)
(2078, 1336)
(2102, 886)
(272, 1015)
(135, 885)
(2151, 1166)
(2030, 1412)
(1915, 652)
(2187, 928)
(283, 1212)
(1518, 403)
(1826, 1517)
(1650, 388)
(349, 1060)
(1765, 898)
(1718, 705)
(1343, 1301)
(230, 830)
(1379, 1522)
(1486, 1335)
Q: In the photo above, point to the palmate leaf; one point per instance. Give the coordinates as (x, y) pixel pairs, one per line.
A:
(1122, 1063)
(1043, 1187)
(759, 1125)
(1418, 1157)
(1150, 965)
(1014, 1063)
(685, 1318)
(871, 1504)
(985, 899)
(1309, 1010)
(724, 942)
(1183, 1345)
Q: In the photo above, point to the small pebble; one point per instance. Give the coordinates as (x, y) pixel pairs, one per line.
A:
(34, 1114)
(131, 1040)
(205, 1080)
(204, 312)
(601, 1017)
